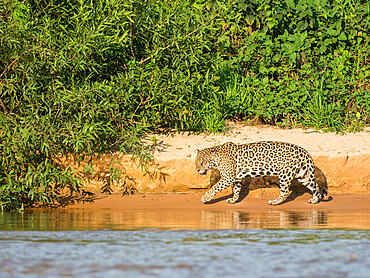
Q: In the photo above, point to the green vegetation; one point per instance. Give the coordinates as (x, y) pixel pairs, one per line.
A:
(85, 77)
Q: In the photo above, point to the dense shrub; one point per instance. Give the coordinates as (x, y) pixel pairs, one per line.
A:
(299, 62)
(86, 77)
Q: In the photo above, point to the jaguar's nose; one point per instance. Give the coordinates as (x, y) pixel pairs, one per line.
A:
(202, 172)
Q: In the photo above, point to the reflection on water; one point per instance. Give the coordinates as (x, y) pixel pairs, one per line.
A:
(270, 219)
(54, 220)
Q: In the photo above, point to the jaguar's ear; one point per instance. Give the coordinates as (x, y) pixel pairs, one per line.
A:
(198, 150)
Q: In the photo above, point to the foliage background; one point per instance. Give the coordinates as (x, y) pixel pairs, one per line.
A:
(87, 77)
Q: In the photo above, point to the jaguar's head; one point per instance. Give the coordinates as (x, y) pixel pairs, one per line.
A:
(203, 161)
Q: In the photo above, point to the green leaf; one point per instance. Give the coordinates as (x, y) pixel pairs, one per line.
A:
(342, 37)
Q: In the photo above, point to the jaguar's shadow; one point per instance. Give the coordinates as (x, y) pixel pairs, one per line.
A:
(249, 184)
(243, 193)
(219, 199)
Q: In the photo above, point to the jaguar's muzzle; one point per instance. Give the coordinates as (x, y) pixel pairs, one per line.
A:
(202, 172)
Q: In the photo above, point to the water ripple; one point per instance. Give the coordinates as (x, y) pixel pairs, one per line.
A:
(185, 253)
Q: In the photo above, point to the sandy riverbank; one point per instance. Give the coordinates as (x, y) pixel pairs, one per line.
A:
(342, 161)
(191, 201)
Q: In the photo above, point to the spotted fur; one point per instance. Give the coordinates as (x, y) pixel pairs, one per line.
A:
(235, 162)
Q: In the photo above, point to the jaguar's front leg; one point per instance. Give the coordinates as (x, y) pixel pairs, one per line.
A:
(236, 190)
(220, 185)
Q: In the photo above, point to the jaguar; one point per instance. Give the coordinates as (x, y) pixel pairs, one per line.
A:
(268, 158)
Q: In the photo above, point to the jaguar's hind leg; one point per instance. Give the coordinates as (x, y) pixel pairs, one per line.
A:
(312, 185)
(284, 182)
(236, 190)
(307, 178)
